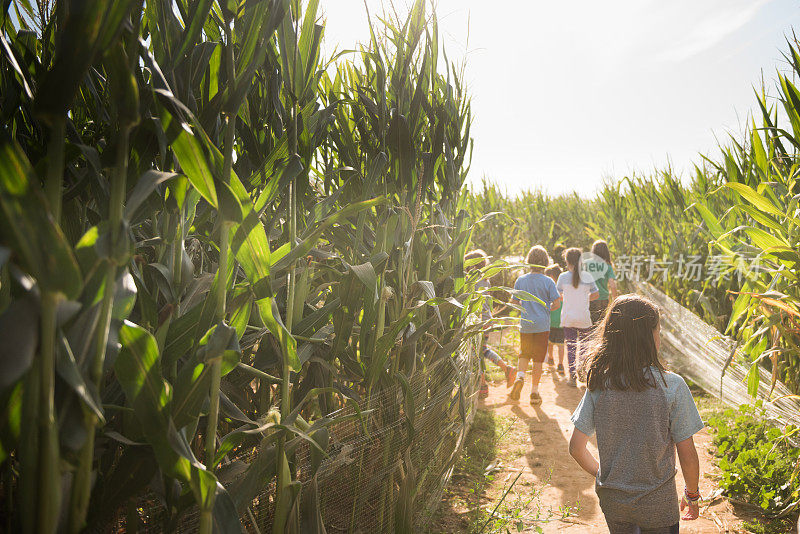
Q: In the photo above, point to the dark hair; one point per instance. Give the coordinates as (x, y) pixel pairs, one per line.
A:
(477, 253)
(600, 248)
(558, 253)
(623, 348)
(573, 258)
(538, 256)
(553, 271)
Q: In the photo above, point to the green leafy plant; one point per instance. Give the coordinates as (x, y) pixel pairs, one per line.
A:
(759, 464)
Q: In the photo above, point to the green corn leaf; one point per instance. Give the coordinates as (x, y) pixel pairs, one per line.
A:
(268, 309)
(379, 359)
(180, 336)
(197, 17)
(190, 393)
(144, 186)
(239, 310)
(305, 246)
(765, 240)
(762, 217)
(68, 370)
(138, 370)
(753, 379)
(229, 206)
(759, 201)
(740, 307)
(220, 343)
(19, 329)
(189, 147)
(194, 163)
(26, 224)
(791, 103)
(759, 152)
(86, 29)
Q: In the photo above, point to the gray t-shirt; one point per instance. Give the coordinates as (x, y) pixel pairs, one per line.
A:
(636, 436)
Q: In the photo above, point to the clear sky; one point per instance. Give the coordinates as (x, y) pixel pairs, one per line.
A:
(566, 93)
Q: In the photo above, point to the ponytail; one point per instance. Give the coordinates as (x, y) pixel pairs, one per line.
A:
(576, 275)
(573, 258)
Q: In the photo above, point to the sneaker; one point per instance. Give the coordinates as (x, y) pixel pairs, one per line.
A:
(511, 375)
(536, 399)
(560, 369)
(572, 382)
(483, 392)
(516, 389)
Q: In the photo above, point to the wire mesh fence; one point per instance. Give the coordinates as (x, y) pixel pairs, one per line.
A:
(405, 443)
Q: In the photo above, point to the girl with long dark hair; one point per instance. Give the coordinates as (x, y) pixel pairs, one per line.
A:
(600, 268)
(577, 292)
(642, 414)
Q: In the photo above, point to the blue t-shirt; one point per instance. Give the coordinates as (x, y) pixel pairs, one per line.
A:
(535, 317)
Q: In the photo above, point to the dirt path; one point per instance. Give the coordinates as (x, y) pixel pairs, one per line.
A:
(552, 494)
(548, 463)
(535, 442)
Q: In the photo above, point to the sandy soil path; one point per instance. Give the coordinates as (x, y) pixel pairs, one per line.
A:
(543, 432)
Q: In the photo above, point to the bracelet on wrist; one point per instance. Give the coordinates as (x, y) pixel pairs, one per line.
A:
(690, 496)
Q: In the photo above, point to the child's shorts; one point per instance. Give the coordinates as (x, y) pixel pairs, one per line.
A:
(533, 346)
(557, 335)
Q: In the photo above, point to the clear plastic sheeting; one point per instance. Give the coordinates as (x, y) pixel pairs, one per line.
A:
(699, 352)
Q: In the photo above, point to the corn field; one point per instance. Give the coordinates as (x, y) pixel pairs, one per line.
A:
(741, 205)
(212, 240)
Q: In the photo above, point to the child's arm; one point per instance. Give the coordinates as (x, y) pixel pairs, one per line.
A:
(685, 422)
(578, 450)
(594, 295)
(690, 466)
(556, 304)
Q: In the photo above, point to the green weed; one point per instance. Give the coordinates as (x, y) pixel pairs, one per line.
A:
(759, 465)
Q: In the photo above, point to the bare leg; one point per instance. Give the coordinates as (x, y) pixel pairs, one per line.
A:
(561, 353)
(516, 388)
(536, 375)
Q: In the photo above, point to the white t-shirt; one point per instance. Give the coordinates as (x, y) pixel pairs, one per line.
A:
(575, 309)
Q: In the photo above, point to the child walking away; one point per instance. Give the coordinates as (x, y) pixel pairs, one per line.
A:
(558, 254)
(556, 332)
(486, 315)
(575, 317)
(598, 265)
(534, 323)
(641, 414)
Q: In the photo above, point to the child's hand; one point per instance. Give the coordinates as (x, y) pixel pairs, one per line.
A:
(693, 511)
